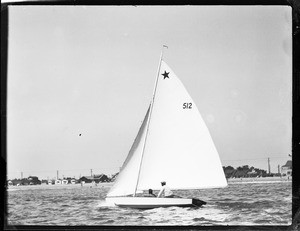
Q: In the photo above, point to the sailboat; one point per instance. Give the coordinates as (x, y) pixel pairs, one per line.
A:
(174, 145)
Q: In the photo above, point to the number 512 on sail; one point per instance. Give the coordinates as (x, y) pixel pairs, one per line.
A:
(187, 105)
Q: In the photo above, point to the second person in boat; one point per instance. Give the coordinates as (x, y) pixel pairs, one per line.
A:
(165, 191)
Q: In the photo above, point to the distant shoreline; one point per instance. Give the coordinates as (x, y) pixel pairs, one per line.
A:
(258, 180)
(247, 180)
(53, 186)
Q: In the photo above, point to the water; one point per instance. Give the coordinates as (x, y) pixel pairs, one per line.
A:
(238, 204)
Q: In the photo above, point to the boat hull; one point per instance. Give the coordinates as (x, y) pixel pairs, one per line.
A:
(153, 202)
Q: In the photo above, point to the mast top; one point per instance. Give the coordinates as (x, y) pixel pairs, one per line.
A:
(162, 51)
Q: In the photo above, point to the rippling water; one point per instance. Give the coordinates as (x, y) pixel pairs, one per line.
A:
(238, 204)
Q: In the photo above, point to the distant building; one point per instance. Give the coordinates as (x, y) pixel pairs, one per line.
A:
(33, 180)
(252, 173)
(286, 170)
(70, 180)
(18, 182)
(95, 178)
(44, 181)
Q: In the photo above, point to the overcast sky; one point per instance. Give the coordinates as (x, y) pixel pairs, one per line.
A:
(91, 71)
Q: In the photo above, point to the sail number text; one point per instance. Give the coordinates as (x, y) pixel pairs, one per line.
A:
(187, 106)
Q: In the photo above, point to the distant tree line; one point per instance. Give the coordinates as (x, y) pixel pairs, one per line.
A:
(246, 171)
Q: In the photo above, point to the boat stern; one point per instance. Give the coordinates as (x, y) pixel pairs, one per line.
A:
(197, 202)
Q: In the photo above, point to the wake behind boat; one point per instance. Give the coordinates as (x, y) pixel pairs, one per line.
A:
(174, 145)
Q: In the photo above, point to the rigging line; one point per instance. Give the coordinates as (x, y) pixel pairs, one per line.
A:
(148, 121)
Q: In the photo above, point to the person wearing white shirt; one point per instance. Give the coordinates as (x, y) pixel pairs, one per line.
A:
(165, 191)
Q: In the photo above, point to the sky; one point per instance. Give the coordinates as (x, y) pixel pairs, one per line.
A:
(90, 70)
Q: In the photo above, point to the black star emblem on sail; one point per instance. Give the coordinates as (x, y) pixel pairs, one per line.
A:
(166, 75)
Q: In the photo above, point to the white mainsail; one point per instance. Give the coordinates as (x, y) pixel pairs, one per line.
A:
(179, 148)
(176, 148)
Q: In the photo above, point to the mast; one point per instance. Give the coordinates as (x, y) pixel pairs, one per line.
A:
(148, 122)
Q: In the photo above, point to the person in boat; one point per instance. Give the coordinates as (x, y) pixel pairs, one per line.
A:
(165, 191)
(151, 194)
